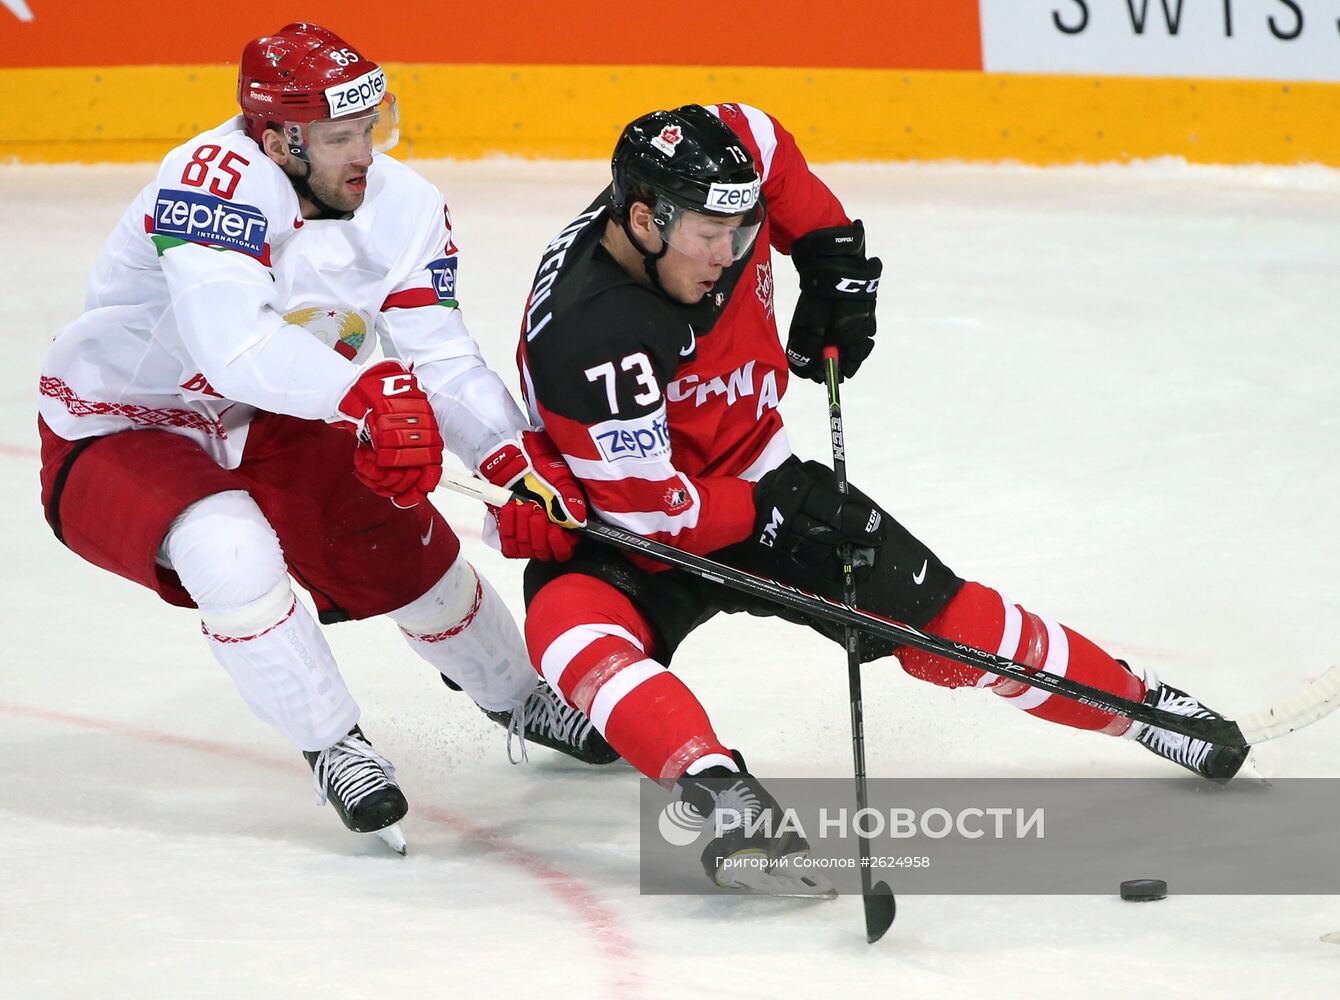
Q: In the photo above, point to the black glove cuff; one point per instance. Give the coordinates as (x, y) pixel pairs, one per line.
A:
(832, 241)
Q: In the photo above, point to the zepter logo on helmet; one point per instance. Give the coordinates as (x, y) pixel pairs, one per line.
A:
(330, 103)
(699, 179)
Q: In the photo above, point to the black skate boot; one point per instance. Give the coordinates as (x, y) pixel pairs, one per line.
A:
(745, 852)
(545, 719)
(360, 784)
(1209, 760)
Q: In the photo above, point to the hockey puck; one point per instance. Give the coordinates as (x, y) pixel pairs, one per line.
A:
(1143, 890)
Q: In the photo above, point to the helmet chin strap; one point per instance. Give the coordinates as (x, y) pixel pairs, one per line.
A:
(303, 185)
(649, 259)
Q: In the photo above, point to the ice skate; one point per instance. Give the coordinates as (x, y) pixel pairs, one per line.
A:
(545, 719)
(746, 855)
(1209, 760)
(360, 784)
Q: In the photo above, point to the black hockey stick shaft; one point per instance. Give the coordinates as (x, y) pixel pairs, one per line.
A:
(1224, 732)
(1221, 731)
(877, 899)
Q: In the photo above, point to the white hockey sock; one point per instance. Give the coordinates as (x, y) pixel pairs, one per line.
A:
(462, 627)
(224, 550)
(284, 670)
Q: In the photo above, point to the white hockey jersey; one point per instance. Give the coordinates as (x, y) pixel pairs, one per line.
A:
(214, 299)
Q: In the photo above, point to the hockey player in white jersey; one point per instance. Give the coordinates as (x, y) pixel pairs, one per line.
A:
(215, 423)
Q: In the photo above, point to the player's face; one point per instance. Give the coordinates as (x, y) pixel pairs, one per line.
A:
(337, 153)
(700, 248)
(340, 154)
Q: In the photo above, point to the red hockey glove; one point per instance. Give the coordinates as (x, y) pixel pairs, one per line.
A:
(838, 285)
(535, 525)
(399, 451)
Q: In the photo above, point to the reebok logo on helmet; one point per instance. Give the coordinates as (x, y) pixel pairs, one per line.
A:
(357, 95)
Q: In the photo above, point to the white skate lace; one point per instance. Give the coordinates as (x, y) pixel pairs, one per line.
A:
(1180, 749)
(516, 729)
(544, 714)
(739, 798)
(350, 771)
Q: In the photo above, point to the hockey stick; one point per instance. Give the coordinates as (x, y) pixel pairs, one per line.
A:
(880, 906)
(1313, 701)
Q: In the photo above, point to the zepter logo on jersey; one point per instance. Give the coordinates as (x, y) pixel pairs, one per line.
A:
(195, 217)
(344, 330)
(641, 439)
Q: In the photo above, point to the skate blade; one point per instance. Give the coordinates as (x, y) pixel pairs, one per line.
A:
(782, 883)
(1249, 772)
(392, 838)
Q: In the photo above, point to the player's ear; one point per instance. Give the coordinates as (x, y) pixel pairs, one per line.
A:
(642, 222)
(272, 141)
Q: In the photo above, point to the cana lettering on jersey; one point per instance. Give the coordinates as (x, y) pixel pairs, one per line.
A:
(647, 438)
(732, 198)
(443, 271)
(357, 95)
(201, 218)
(736, 385)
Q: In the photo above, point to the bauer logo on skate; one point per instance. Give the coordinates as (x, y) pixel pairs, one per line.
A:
(644, 439)
(195, 217)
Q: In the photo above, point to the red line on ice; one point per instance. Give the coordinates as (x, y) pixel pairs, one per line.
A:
(602, 924)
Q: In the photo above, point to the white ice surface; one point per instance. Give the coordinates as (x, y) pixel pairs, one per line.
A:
(1112, 393)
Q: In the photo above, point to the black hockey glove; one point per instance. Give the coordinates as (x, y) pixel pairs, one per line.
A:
(838, 285)
(801, 516)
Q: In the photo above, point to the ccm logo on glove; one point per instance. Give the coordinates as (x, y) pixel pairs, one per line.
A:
(836, 308)
(399, 450)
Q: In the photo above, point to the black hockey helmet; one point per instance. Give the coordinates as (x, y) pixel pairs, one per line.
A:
(688, 159)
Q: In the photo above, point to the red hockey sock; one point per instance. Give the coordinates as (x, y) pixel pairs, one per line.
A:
(591, 643)
(979, 616)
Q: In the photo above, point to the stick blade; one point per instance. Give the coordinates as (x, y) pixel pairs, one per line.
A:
(880, 909)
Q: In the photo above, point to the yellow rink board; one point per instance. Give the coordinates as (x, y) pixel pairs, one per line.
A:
(137, 113)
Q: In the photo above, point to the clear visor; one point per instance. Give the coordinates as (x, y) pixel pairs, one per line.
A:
(719, 239)
(337, 141)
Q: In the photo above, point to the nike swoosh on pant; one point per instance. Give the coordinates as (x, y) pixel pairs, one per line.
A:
(919, 576)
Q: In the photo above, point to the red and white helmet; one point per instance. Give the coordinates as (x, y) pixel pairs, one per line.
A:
(305, 78)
